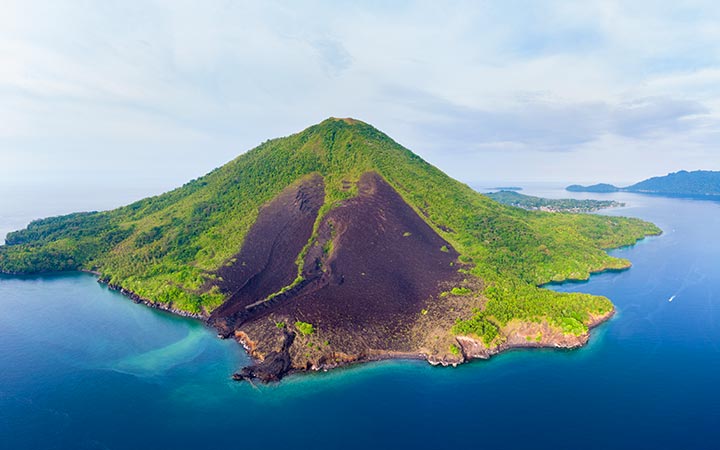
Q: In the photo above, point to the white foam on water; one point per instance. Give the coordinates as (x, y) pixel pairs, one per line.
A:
(160, 360)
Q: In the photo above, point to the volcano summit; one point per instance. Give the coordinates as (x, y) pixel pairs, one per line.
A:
(337, 245)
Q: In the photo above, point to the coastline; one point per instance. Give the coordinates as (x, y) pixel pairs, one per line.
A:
(138, 299)
(603, 270)
(470, 348)
(265, 366)
(474, 349)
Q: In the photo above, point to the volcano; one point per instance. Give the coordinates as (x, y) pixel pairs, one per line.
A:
(337, 245)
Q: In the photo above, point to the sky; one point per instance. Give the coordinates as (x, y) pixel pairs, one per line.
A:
(151, 94)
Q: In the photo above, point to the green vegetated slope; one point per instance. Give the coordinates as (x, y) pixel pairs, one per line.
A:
(167, 248)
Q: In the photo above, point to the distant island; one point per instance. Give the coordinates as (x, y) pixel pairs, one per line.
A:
(507, 188)
(338, 245)
(699, 183)
(596, 188)
(551, 205)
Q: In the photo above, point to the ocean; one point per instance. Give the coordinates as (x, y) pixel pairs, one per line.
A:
(82, 367)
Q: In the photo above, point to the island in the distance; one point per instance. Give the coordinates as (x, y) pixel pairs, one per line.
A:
(336, 245)
(507, 188)
(570, 205)
(699, 183)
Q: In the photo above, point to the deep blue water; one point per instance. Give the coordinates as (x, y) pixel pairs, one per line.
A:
(83, 367)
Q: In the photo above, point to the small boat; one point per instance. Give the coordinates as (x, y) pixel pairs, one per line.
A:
(671, 298)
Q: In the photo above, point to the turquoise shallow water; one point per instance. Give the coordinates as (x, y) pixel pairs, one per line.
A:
(83, 367)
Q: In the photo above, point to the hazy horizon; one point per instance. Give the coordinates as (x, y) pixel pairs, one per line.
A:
(157, 93)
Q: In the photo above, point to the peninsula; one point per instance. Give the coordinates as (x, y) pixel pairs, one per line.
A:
(699, 183)
(570, 205)
(337, 245)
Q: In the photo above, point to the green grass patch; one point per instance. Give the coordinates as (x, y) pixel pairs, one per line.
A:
(461, 291)
(304, 328)
(478, 326)
(454, 350)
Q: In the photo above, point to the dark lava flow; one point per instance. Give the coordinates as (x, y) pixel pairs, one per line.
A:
(373, 267)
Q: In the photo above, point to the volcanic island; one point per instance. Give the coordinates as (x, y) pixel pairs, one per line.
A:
(337, 245)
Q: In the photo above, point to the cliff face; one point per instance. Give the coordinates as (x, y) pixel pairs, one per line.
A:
(529, 335)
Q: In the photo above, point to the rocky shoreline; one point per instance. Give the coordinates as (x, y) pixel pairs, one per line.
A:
(137, 299)
(275, 365)
(278, 364)
(473, 349)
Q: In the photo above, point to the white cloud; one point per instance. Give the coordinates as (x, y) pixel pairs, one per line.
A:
(184, 86)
